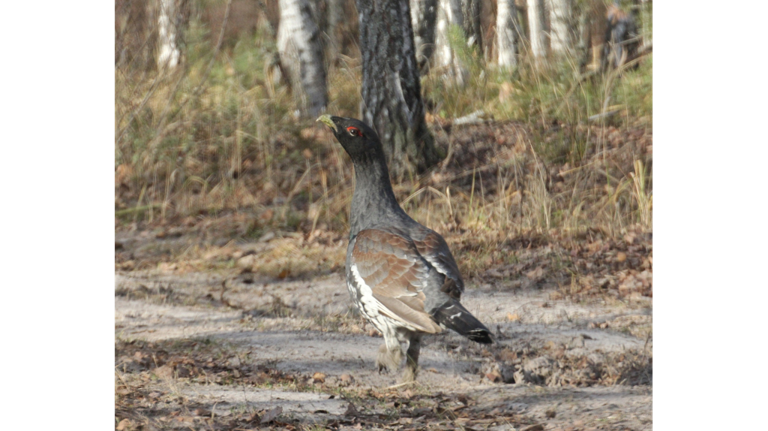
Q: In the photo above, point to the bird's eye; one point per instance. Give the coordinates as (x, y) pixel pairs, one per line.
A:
(354, 131)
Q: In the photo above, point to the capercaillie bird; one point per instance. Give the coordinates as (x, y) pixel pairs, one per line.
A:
(401, 275)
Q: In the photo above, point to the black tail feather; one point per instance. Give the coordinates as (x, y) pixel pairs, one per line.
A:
(454, 316)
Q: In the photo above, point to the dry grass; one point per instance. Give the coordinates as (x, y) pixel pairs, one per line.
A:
(191, 146)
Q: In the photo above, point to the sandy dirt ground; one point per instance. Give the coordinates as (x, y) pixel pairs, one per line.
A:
(557, 364)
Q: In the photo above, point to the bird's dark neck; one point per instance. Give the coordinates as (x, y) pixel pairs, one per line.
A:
(373, 201)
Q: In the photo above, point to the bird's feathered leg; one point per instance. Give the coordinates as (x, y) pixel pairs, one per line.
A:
(390, 353)
(412, 358)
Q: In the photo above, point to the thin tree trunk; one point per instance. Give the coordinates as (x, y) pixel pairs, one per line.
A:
(423, 19)
(620, 37)
(560, 13)
(598, 27)
(646, 21)
(449, 19)
(537, 28)
(585, 38)
(507, 33)
(168, 54)
(472, 29)
(391, 89)
(301, 57)
(335, 15)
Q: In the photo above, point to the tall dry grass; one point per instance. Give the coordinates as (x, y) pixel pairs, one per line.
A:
(219, 135)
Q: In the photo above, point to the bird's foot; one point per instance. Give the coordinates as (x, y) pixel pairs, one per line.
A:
(388, 360)
(409, 375)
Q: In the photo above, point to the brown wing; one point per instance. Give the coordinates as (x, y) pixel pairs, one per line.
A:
(392, 268)
(435, 250)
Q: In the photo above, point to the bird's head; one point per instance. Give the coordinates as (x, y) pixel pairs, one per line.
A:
(359, 141)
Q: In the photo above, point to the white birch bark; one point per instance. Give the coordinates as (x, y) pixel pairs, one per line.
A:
(646, 14)
(560, 15)
(298, 42)
(168, 52)
(536, 25)
(507, 33)
(449, 16)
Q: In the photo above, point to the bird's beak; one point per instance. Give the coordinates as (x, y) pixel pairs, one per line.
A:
(326, 119)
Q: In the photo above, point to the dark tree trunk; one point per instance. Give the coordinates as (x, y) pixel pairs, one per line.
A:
(423, 18)
(391, 89)
(471, 12)
(585, 40)
(620, 37)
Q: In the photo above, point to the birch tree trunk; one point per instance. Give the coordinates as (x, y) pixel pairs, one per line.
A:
(301, 57)
(168, 54)
(560, 16)
(537, 29)
(646, 21)
(335, 14)
(391, 89)
(423, 18)
(507, 33)
(449, 19)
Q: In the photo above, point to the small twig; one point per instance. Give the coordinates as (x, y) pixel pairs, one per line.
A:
(400, 385)
(137, 209)
(117, 373)
(603, 116)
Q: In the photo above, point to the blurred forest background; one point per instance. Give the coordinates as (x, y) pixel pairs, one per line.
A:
(529, 150)
(540, 110)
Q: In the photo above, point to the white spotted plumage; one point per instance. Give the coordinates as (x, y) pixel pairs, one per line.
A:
(371, 308)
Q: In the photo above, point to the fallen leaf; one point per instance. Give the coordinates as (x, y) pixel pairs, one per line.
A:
(507, 355)
(267, 215)
(493, 376)
(271, 415)
(347, 379)
(505, 91)
(513, 317)
(164, 373)
(535, 274)
(318, 377)
(308, 133)
(351, 411)
(125, 423)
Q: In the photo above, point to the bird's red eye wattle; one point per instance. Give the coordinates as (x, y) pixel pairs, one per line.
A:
(354, 131)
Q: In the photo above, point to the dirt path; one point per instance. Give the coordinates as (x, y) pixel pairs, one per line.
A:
(558, 364)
